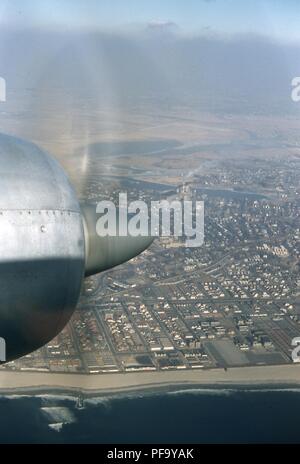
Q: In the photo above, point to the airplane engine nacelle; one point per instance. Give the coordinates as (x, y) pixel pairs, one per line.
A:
(41, 247)
(47, 246)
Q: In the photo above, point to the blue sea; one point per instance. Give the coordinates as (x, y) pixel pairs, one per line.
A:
(182, 416)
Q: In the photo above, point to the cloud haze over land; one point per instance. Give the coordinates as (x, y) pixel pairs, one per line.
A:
(115, 67)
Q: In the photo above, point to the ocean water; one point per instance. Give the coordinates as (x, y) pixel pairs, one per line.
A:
(182, 416)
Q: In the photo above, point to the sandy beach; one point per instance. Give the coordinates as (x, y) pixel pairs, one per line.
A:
(20, 382)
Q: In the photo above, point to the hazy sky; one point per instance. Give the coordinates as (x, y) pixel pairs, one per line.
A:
(48, 44)
(275, 18)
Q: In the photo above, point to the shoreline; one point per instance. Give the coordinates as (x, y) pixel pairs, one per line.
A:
(89, 385)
